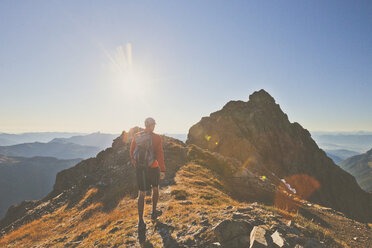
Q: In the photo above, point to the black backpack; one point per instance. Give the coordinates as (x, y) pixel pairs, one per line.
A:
(143, 153)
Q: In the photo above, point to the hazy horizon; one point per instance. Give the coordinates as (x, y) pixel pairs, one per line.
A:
(88, 66)
(319, 132)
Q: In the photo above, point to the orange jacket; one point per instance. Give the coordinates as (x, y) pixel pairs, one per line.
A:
(158, 150)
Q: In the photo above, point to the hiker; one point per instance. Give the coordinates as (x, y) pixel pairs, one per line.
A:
(147, 156)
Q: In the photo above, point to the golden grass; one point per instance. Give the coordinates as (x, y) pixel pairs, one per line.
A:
(197, 183)
(206, 194)
(71, 223)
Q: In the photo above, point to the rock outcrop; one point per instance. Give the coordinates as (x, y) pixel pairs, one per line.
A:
(259, 134)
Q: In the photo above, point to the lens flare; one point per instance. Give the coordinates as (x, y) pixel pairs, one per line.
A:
(304, 186)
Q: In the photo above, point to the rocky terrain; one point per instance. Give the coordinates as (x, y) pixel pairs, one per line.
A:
(360, 166)
(212, 196)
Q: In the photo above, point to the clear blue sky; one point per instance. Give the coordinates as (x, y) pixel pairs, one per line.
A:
(106, 65)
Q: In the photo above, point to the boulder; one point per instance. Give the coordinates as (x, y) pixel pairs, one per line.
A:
(233, 232)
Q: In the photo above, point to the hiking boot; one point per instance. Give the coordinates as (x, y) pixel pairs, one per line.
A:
(155, 214)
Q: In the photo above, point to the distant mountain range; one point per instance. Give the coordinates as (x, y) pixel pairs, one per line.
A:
(179, 136)
(28, 178)
(54, 149)
(358, 141)
(80, 146)
(340, 155)
(360, 167)
(7, 139)
(27, 170)
(361, 132)
(98, 139)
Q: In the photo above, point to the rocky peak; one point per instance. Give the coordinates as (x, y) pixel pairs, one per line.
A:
(261, 97)
(258, 98)
(259, 134)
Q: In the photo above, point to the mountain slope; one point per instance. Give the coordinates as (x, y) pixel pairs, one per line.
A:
(360, 166)
(92, 205)
(57, 150)
(260, 135)
(28, 178)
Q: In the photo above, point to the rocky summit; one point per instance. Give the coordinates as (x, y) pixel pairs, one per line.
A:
(222, 189)
(259, 134)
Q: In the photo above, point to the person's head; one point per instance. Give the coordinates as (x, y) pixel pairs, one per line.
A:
(150, 124)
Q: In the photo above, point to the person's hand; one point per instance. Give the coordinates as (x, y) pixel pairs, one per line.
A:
(162, 175)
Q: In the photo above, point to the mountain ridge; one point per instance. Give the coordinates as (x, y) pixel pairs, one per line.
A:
(207, 179)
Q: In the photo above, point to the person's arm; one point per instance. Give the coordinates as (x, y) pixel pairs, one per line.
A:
(132, 147)
(160, 154)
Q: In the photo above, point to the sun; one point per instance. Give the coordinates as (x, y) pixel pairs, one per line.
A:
(125, 78)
